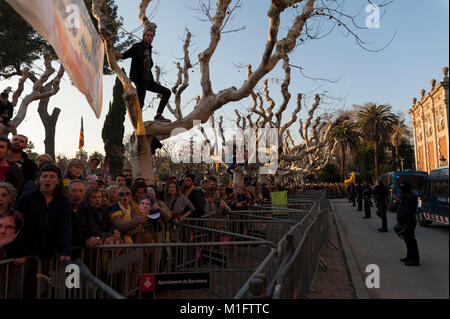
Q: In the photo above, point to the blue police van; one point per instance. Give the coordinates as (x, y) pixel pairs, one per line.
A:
(433, 204)
(392, 181)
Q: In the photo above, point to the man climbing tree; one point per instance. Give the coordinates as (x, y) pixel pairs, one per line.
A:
(141, 72)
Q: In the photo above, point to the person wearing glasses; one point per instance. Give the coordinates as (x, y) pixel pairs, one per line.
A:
(125, 218)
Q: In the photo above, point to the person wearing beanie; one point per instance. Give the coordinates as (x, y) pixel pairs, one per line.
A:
(141, 72)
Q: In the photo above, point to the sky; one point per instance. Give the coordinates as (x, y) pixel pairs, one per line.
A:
(351, 75)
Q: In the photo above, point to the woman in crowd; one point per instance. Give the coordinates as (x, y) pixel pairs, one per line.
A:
(112, 195)
(177, 202)
(259, 194)
(7, 196)
(105, 199)
(43, 159)
(251, 193)
(125, 218)
(91, 182)
(101, 230)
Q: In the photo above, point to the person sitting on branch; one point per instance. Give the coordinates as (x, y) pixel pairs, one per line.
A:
(141, 72)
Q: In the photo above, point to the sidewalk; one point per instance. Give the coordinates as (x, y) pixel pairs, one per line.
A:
(430, 280)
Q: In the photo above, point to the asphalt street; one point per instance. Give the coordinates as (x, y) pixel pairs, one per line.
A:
(397, 281)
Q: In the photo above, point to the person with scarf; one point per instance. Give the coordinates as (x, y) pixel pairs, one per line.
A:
(125, 218)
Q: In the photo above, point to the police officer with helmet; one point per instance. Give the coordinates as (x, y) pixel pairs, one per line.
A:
(405, 228)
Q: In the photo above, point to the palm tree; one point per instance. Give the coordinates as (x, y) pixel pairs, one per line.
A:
(399, 131)
(376, 124)
(347, 136)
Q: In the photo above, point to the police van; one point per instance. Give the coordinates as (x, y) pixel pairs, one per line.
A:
(392, 181)
(433, 204)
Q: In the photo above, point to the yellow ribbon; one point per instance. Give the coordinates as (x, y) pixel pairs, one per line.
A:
(140, 130)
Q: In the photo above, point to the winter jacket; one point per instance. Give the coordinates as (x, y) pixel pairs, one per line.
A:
(407, 208)
(197, 198)
(47, 228)
(136, 52)
(380, 193)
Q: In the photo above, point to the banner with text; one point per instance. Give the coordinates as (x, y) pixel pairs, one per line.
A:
(67, 26)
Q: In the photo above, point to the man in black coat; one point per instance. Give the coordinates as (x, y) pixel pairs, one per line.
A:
(367, 203)
(380, 194)
(359, 196)
(195, 195)
(352, 194)
(141, 72)
(406, 215)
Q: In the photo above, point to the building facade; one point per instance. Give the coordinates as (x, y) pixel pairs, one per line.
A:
(430, 117)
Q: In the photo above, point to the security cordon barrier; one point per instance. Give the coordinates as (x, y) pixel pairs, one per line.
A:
(262, 252)
(47, 279)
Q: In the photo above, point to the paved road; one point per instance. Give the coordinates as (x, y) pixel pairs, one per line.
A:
(430, 280)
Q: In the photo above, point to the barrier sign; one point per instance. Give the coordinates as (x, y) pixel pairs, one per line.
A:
(147, 283)
(279, 200)
(158, 282)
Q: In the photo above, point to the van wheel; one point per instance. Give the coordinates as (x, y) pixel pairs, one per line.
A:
(421, 219)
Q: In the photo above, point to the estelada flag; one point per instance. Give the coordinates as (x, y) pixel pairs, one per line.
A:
(81, 141)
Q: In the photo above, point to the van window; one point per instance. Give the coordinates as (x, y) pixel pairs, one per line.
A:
(440, 187)
(417, 181)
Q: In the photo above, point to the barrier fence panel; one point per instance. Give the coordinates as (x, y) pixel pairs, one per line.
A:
(226, 254)
(297, 275)
(47, 279)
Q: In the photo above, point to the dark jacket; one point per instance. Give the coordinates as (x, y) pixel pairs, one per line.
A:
(380, 193)
(197, 198)
(359, 190)
(136, 52)
(367, 192)
(407, 208)
(86, 224)
(14, 176)
(47, 228)
(80, 227)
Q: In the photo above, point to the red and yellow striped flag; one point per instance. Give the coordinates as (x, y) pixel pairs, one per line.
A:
(81, 141)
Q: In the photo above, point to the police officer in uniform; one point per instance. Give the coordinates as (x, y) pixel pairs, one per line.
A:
(406, 216)
(352, 194)
(359, 196)
(366, 195)
(380, 194)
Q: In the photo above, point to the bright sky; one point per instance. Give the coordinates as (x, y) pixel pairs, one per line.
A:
(396, 74)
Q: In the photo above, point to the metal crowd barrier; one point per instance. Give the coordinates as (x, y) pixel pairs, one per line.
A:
(278, 247)
(269, 272)
(46, 279)
(296, 276)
